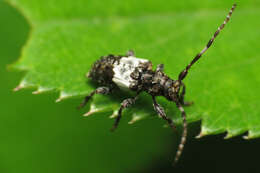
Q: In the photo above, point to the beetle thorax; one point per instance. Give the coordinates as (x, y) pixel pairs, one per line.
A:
(162, 85)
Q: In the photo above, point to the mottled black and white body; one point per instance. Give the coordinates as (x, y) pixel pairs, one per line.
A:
(128, 72)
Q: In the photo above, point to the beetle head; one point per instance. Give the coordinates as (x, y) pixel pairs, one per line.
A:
(174, 90)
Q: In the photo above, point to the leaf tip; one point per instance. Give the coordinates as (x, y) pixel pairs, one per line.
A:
(246, 137)
(19, 87)
(22, 85)
(58, 100)
(88, 113)
(251, 135)
(93, 109)
(114, 114)
(200, 135)
(41, 90)
(62, 96)
(204, 131)
(228, 136)
(135, 118)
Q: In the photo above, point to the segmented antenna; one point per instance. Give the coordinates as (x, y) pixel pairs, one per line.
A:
(183, 74)
(184, 134)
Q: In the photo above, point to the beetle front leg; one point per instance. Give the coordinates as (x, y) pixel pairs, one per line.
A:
(162, 114)
(99, 90)
(182, 96)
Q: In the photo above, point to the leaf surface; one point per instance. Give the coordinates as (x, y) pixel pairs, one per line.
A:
(68, 36)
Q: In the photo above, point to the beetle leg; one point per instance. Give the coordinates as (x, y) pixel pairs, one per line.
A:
(182, 96)
(160, 67)
(162, 114)
(125, 104)
(99, 90)
(130, 53)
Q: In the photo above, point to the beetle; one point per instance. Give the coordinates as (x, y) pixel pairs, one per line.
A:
(127, 72)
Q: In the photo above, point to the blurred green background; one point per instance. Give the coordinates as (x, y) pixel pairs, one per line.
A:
(38, 135)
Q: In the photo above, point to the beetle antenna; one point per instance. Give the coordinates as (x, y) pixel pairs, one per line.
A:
(183, 74)
(184, 133)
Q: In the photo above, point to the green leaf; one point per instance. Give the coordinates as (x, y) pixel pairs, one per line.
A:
(68, 36)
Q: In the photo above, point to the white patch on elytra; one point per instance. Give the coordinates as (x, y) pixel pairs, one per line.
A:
(123, 70)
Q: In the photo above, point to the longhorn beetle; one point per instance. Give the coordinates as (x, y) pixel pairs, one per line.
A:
(131, 73)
